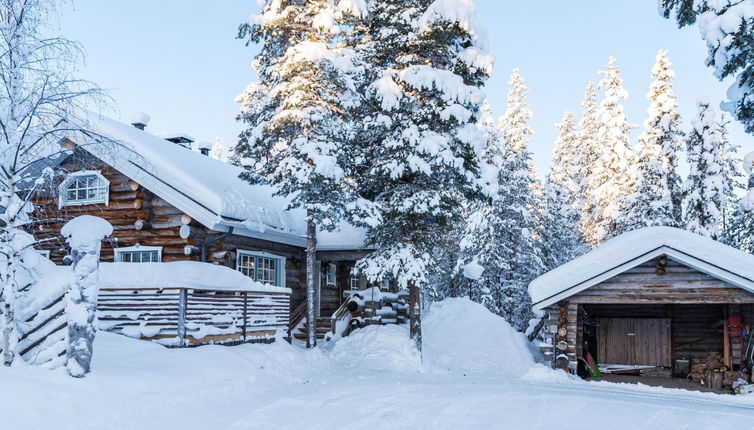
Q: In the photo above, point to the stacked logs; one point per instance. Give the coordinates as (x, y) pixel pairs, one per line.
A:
(375, 307)
(709, 372)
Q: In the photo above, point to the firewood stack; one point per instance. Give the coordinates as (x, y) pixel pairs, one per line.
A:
(379, 308)
(712, 363)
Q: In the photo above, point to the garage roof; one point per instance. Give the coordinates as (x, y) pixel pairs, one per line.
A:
(634, 248)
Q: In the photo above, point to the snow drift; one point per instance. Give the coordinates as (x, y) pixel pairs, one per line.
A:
(463, 336)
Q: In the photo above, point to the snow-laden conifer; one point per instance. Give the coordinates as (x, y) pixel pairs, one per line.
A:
(420, 140)
(726, 26)
(611, 183)
(561, 236)
(499, 250)
(658, 198)
(704, 187)
(298, 116)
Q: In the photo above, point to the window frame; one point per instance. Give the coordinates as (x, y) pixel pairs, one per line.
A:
(279, 270)
(118, 253)
(63, 200)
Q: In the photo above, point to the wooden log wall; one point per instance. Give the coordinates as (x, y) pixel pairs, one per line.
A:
(137, 216)
(206, 316)
(673, 283)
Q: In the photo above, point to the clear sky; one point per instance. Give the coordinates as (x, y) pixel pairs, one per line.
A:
(179, 61)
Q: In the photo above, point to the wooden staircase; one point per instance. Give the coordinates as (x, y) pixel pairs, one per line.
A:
(323, 328)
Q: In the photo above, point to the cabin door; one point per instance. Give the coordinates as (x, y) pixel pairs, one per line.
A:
(635, 341)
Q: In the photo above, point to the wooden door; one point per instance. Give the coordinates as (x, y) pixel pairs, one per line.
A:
(634, 341)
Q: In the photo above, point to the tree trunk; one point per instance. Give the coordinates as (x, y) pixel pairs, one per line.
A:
(311, 258)
(415, 314)
(7, 330)
(82, 302)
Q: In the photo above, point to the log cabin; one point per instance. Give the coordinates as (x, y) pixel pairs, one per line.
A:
(170, 203)
(659, 298)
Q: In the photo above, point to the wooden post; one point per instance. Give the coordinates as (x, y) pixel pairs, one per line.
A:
(182, 304)
(245, 312)
(415, 314)
(311, 259)
(561, 347)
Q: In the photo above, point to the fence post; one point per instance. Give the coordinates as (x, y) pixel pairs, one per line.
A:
(245, 312)
(182, 304)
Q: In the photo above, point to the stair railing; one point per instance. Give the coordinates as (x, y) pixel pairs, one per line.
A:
(297, 315)
(342, 314)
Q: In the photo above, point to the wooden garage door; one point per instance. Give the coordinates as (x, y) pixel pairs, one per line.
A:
(634, 341)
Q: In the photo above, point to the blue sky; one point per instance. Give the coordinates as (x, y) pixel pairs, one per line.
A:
(179, 61)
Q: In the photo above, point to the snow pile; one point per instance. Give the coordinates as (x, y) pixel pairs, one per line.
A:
(377, 347)
(463, 336)
(179, 274)
(85, 230)
(140, 118)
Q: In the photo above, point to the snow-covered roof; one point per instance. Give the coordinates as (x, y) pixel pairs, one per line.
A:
(208, 190)
(634, 248)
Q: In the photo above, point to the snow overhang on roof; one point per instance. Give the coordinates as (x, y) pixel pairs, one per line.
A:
(208, 190)
(634, 248)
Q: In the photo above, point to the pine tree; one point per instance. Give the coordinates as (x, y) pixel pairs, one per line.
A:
(298, 116)
(726, 26)
(499, 240)
(585, 157)
(659, 198)
(515, 201)
(611, 184)
(704, 188)
(420, 138)
(561, 238)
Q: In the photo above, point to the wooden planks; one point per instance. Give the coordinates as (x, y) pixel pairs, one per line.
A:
(182, 317)
(678, 284)
(635, 341)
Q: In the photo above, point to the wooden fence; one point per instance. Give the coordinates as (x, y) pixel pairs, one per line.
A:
(185, 317)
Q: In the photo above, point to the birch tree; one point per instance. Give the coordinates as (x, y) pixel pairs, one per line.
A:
(40, 104)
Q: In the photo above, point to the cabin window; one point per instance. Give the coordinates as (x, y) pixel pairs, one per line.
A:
(355, 282)
(139, 254)
(330, 277)
(262, 266)
(86, 187)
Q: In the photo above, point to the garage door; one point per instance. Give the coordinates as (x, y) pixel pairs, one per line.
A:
(634, 341)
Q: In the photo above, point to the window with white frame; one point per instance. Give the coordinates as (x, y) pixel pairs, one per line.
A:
(331, 275)
(86, 187)
(262, 266)
(139, 254)
(355, 282)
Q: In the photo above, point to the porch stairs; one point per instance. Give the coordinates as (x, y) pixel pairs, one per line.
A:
(323, 327)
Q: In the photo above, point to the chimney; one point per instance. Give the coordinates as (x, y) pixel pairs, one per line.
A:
(140, 120)
(181, 139)
(204, 147)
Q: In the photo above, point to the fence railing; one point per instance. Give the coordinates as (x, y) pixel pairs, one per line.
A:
(187, 317)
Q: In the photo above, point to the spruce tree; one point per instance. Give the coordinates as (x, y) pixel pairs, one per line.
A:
(420, 138)
(611, 184)
(298, 116)
(659, 198)
(704, 188)
(586, 156)
(561, 238)
(726, 26)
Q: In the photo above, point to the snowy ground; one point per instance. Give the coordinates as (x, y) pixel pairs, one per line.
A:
(477, 373)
